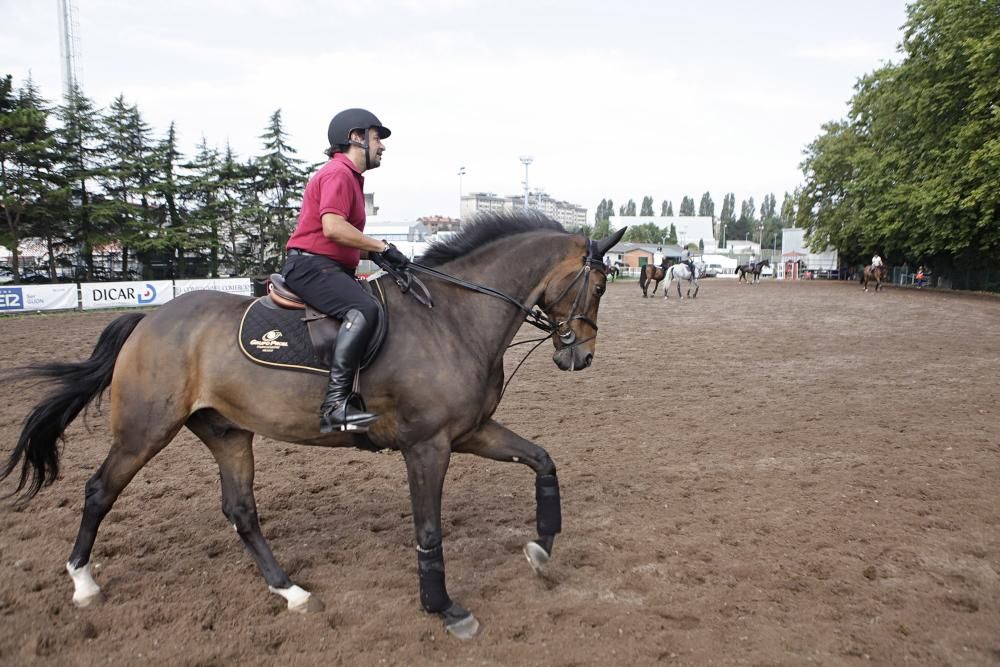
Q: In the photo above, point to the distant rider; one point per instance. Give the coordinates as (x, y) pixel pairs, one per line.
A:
(689, 262)
(876, 263)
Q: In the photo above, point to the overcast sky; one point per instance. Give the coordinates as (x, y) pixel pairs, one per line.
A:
(612, 98)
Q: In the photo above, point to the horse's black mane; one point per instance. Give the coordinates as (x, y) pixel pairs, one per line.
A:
(486, 228)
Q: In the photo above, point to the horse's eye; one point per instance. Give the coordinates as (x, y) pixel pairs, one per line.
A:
(599, 290)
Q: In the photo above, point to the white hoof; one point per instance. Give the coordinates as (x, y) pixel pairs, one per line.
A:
(86, 592)
(300, 600)
(467, 628)
(537, 557)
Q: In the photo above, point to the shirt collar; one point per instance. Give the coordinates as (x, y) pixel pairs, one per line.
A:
(340, 157)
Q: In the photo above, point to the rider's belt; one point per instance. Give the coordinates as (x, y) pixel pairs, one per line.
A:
(296, 251)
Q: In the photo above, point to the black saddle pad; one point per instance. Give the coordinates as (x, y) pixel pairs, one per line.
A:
(277, 337)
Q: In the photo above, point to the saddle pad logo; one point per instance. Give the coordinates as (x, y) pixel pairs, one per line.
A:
(269, 342)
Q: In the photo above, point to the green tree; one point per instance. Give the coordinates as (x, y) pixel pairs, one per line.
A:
(125, 176)
(647, 206)
(602, 226)
(200, 190)
(787, 215)
(647, 232)
(281, 178)
(28, 185)
(706, 207)
(745, 225)
(727, 218)
(687, 206)
(912, 171)
(78, 144)
(672, 234)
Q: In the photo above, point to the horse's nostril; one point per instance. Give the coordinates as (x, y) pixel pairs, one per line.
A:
(587, 359)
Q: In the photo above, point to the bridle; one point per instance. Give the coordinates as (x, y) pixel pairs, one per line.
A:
(536, 317)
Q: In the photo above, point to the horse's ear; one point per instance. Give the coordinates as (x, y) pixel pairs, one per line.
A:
(607, 244)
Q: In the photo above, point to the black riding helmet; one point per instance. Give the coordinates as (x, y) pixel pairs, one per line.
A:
(348, 120)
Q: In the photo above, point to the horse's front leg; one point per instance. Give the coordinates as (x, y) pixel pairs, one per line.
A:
(498, 443)
(426, 465)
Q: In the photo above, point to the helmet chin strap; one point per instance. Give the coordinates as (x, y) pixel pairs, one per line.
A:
(368, 158)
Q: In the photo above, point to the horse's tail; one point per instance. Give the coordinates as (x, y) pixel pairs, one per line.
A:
(642, 277)
(77, 385)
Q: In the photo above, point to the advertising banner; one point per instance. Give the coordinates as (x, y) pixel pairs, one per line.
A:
(21, 298)
(241, 286)
(126, 294)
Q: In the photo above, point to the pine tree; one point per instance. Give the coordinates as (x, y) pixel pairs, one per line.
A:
(280, 182)
(200, 189)
(28, 185)
(77, 142)
(125, 177)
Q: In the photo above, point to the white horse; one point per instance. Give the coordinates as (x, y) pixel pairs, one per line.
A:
(680, 272)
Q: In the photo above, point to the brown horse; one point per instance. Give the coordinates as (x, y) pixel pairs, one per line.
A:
(648, 273)
(180, 366)
(876, 274)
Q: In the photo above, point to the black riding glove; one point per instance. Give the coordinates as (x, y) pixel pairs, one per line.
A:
(391, 258)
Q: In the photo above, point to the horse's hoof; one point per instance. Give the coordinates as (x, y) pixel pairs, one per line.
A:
(460, 622)
(310, 605)
(299, 600)
(537, 556)
(89, 601)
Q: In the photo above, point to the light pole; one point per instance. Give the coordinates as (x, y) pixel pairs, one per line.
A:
(461, 173)
(526, 161)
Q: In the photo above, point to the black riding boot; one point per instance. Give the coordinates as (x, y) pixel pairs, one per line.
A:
(337, 413)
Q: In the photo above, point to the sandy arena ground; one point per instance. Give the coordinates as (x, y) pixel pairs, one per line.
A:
(778, 474)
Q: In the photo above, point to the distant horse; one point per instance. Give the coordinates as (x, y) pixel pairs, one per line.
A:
(681, 272)
(650, 272)
(182, 366)
(612, 272)
(873, 273)
(752, 269)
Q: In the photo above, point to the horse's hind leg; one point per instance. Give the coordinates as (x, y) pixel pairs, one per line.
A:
(233, 451)
(498, 443)
(138, 436)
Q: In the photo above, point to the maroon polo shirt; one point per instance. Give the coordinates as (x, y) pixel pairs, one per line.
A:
(336, 188)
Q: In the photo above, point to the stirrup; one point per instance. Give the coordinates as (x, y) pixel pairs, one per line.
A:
(353, 400)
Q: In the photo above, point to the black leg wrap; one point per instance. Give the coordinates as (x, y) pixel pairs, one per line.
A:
(430, 567)
(549, 512)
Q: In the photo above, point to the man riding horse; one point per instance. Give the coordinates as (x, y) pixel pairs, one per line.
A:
(324, 251)
(688, 260)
